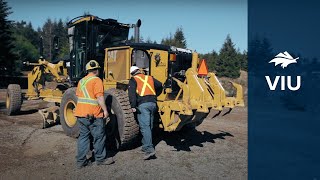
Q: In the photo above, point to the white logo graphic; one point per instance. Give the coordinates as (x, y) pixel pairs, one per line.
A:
(283, 81)
(284, 59)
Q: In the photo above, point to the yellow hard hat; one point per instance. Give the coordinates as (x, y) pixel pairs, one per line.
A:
(92, 64)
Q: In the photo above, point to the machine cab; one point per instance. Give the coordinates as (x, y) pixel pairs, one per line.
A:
(88, 37)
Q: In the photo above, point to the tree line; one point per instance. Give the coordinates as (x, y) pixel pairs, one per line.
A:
(20, 42)
(27, 40)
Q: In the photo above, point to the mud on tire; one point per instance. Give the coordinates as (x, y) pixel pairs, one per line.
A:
(13, 99)
(122, 128)
(67, 119)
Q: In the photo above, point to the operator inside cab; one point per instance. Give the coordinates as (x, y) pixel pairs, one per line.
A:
(141, 59)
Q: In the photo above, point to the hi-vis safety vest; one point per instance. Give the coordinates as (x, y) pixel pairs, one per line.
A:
(145, 85)
(86, 99)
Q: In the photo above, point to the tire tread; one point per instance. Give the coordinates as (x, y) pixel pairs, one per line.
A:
(14, 91)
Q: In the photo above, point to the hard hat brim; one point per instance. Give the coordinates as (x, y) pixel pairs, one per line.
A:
(94, 68)
(134, 69)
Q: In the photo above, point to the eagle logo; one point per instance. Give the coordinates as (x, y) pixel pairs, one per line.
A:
(284, 59)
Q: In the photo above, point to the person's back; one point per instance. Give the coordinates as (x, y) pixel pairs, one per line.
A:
(91, 112)
(146, 88)
(89, 88)
(143, 91)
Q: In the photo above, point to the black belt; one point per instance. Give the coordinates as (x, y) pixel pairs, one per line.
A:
(88, 117)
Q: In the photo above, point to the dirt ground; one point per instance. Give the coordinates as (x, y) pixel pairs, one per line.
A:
(217, 149)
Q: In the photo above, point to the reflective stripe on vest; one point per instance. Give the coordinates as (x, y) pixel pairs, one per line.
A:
(144, 86)
(86, 99)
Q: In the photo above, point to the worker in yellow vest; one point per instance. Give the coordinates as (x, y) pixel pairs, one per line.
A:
(143, 91)
(91, 113)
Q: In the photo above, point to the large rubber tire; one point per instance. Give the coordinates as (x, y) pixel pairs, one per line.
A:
(122, 127)
(13, 99)
(67, 119)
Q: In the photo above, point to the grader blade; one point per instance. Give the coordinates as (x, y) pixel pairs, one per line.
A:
(50, 116)
(213, 113)
(239, 94)
(202, 97)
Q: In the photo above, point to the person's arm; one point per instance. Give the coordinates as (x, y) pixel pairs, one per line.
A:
(99, 94)
(103, 106)
(132, 93)
(158, 86)
(78, 89)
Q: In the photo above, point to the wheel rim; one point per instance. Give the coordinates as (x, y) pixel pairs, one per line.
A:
(69, 117)
(8, 101)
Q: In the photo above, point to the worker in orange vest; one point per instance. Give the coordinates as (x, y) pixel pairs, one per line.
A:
(91, 113)
(143, 91)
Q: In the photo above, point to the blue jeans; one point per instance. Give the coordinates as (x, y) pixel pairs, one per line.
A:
(145, 118)
(96, 128)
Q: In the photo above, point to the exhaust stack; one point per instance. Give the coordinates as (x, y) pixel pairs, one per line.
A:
(137, 31)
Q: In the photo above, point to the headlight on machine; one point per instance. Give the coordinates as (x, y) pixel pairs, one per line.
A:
(173, 57)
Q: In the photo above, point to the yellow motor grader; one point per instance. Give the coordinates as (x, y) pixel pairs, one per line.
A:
(189, 91)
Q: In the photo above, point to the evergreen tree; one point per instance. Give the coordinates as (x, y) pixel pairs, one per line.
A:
(149, 40)
(243, 60)
(61, 32)
(260, 50)
(179, 39)
(131, 39)
(228, 63)
(7, 56)
(266, 50)
(49, 31)
(24, 49)
(47, 34)
(168, 40)
(26, 41)
(25, 29)
(32, 35)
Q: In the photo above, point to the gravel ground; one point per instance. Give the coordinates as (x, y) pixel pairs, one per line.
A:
(217, 149)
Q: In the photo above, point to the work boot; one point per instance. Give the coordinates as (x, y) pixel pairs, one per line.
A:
(85, 164)
(141, 151)
(107, 161)
(149, 155)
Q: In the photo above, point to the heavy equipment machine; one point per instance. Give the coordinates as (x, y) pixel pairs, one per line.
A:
(190, 92)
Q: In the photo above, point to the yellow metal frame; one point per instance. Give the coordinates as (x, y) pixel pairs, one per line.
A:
(88, 18)
(42, 69)
(199, 94)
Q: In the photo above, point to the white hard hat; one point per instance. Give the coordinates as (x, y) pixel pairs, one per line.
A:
(133, 68)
